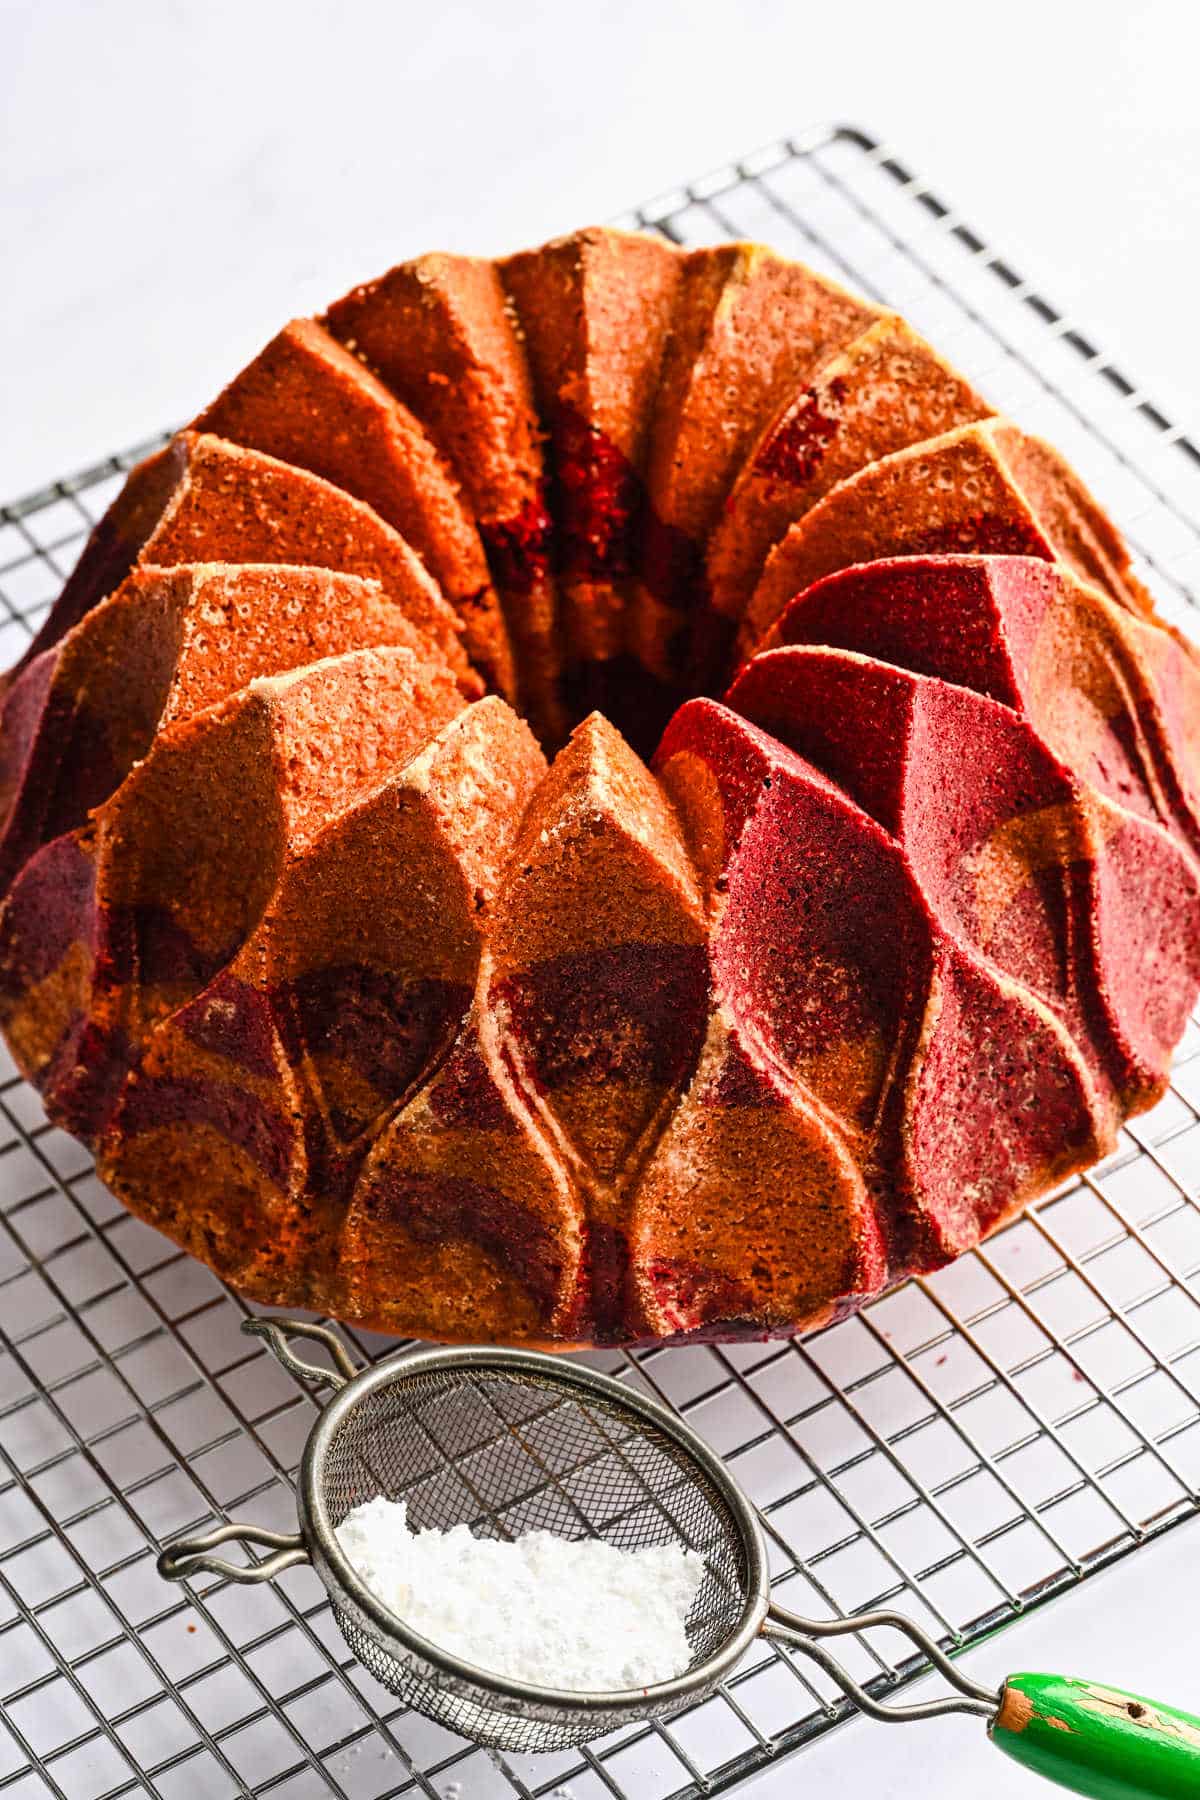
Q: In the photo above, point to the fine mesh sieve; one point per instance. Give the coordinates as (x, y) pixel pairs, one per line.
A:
(509, 1441)
(505, 1442)
(505, 1449)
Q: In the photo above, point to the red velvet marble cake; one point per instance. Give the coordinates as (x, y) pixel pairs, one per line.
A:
(390, 902)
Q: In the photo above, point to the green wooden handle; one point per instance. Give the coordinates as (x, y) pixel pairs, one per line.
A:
(1097, 1740)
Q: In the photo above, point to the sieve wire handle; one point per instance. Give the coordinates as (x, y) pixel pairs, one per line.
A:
(276, 1332)
(188, 1556)
(805, 1635)
(1094, 1740)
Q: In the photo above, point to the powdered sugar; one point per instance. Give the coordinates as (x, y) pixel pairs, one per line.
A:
(553, 1612)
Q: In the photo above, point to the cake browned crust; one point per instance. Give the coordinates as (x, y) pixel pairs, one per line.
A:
(748, 331)
(595, 312)
(985, 487)
(305, 400)
(390, 904)
(203, 499)
(883, 392)
(167, 644)
(438, 333)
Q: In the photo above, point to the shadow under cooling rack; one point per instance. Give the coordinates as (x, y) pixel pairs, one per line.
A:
(966, 1448)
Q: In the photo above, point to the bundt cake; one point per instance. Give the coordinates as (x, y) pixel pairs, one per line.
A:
(599, 797)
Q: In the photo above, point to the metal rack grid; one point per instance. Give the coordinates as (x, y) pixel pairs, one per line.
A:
(965, 1449)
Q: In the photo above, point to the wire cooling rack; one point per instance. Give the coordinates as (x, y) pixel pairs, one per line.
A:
(965, 1449)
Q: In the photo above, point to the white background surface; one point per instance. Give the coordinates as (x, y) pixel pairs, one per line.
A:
(176, 179)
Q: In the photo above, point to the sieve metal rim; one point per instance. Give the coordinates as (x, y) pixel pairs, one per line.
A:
(343, 1583)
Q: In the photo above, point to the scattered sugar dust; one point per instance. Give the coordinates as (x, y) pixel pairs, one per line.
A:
(553, 1612)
